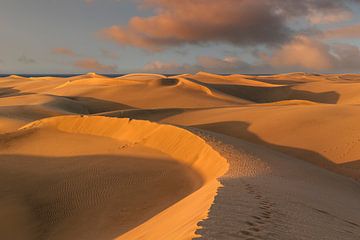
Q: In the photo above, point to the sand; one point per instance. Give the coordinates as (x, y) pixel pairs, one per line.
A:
(208, 157)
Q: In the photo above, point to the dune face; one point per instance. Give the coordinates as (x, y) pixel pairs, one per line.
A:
(75, 197)
(224, 157)
(97, 178)
(299, 130)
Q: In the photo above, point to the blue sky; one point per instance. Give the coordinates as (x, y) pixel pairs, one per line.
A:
(35, 34)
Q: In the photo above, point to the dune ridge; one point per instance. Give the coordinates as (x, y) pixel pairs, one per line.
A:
(166, 138)
(180, 144)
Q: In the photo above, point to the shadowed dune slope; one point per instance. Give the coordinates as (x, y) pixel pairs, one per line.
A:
(326, 135)
(60, 172)
(269, 195)
(320, 88)
(260, 92)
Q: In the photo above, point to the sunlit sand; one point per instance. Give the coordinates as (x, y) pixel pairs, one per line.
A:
(205, 156)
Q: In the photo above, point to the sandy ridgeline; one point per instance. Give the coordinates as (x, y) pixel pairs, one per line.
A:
(222, 157)
(98, 178)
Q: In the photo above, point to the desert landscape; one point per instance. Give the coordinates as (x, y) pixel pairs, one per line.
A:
(180, 120)
(191, 156)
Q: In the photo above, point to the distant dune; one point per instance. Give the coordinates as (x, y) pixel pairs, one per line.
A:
(193, 156)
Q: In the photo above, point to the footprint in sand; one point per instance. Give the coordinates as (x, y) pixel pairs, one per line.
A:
(255, 226)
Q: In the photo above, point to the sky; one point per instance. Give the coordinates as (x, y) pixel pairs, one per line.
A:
(172, 36)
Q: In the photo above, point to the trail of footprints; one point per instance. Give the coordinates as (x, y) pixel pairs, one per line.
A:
(256, 225)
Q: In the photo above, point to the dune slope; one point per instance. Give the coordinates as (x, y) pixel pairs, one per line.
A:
(97, 178)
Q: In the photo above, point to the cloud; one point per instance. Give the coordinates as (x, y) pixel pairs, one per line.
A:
(303, 52)
(26, 60)
(332, 16)
(238, 22)
(189, 22)
(347, 57)
(306, 54)
(91, 64)
(227, 64)
(64, 51)
(352, 31)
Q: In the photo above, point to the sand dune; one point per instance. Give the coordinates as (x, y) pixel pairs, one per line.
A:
(312, 128)
(132, 91)
(225, 157)
(131, 174)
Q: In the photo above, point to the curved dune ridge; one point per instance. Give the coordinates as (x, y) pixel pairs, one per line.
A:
(169, 139)
(105, 178)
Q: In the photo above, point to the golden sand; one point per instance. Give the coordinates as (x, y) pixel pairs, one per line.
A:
(222, 157)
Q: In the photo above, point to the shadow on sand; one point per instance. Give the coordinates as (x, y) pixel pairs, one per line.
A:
(239, 129)
(11, 92)
(271, 94)
(87, 197)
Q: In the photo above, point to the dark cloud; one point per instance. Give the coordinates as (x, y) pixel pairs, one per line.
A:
(301, 54)
(238, 22)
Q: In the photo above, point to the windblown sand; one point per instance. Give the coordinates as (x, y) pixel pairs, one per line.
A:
(203, 156)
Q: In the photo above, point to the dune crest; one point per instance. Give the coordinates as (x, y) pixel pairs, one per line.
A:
(176, 142)
(179, 144)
